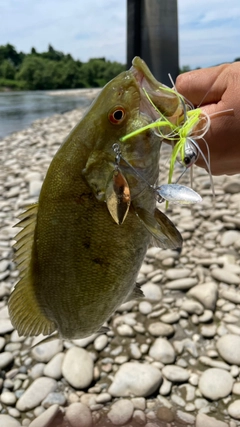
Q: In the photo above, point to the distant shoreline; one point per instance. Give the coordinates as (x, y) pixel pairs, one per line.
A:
(87, 93)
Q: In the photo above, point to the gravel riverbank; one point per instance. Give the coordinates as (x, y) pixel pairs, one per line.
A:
(170, 359)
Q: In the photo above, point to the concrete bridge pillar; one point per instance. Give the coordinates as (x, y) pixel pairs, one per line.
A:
(152, 33)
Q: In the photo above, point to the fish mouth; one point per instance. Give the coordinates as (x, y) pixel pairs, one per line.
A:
(165, 102)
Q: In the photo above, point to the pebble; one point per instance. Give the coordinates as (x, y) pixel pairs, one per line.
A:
(203, 420)
(175, 373)
(8, 421)
(77, 368)
(135, 379)
(54, 398)
(8, 398)
(192, 307)
(152, 292)
(182, 284)
(145, 307)
(215, 383)
(5, 358)
(45, 352)
(35, 393)
(100, 342)
(225, 276)
(160, 329)
(163, 351)
(53, 369)
(78, 415)
(229, 348)
(231, 295)
(121, 412)
(177, 273)
(229, 237)
(206, 294)
(45, 419)
(234, 409)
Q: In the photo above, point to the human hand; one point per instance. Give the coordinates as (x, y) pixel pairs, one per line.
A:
(217, 89)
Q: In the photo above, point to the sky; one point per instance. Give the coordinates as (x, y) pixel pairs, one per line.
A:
(209, 30)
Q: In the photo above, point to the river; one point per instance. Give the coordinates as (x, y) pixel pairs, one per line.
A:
(19, 109)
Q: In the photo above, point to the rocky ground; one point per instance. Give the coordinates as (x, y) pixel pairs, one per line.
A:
(170, 359)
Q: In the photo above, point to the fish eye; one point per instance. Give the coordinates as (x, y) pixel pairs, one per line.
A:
(117, 115)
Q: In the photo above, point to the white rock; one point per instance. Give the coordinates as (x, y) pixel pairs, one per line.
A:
(53, 369)
(151, 291)
(182, 284)
(35, 393)
(44, 419)
(177, 273)
(7, 421)
(45, 352)
(203, 420)
(145, 307)
(79, 415)
(225, 276)
(234, 409)
(229, 237)
(158, 329)
(5, 358)
(8, 398)
(163, 351)
(228, 347)
(175, 373)
(121, 412)
(215, 383)
(100, 342)
(77, 368)
(231, 295)
(192, 307)
(34, 188)
(206, 294)
(137, 379)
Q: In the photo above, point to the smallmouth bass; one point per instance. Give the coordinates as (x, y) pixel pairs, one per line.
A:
(81, 246)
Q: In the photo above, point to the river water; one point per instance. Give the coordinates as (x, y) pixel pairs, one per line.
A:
(19, 109)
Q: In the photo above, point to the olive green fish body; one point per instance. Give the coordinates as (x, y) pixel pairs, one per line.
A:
(77, 265)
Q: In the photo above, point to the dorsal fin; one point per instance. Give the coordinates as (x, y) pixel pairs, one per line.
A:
(24, 311)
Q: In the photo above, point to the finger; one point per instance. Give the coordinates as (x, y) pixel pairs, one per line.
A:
(202, 86)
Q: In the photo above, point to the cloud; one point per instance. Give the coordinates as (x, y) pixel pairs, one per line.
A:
(209, 30)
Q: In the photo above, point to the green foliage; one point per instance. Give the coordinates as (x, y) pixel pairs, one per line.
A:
(52, 70)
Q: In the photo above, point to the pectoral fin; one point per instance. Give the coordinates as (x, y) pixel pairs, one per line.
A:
(136, 293)
(164, 232)
(118, 197)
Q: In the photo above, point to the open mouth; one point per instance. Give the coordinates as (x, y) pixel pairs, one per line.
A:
(165, 102)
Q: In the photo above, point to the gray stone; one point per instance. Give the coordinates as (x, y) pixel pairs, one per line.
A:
(121, 412)
(228, 347)
(46, 351)
(137, 379)
(163, 351)
(206, 294)
(79, 415)
(46, 418)
(175, 373)
(7, 421)
(54, 398)
(35, 393)
(215, 383)
(34, 188)
(172, 317)
(77, 368)
(225, 276)
(145, 307)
